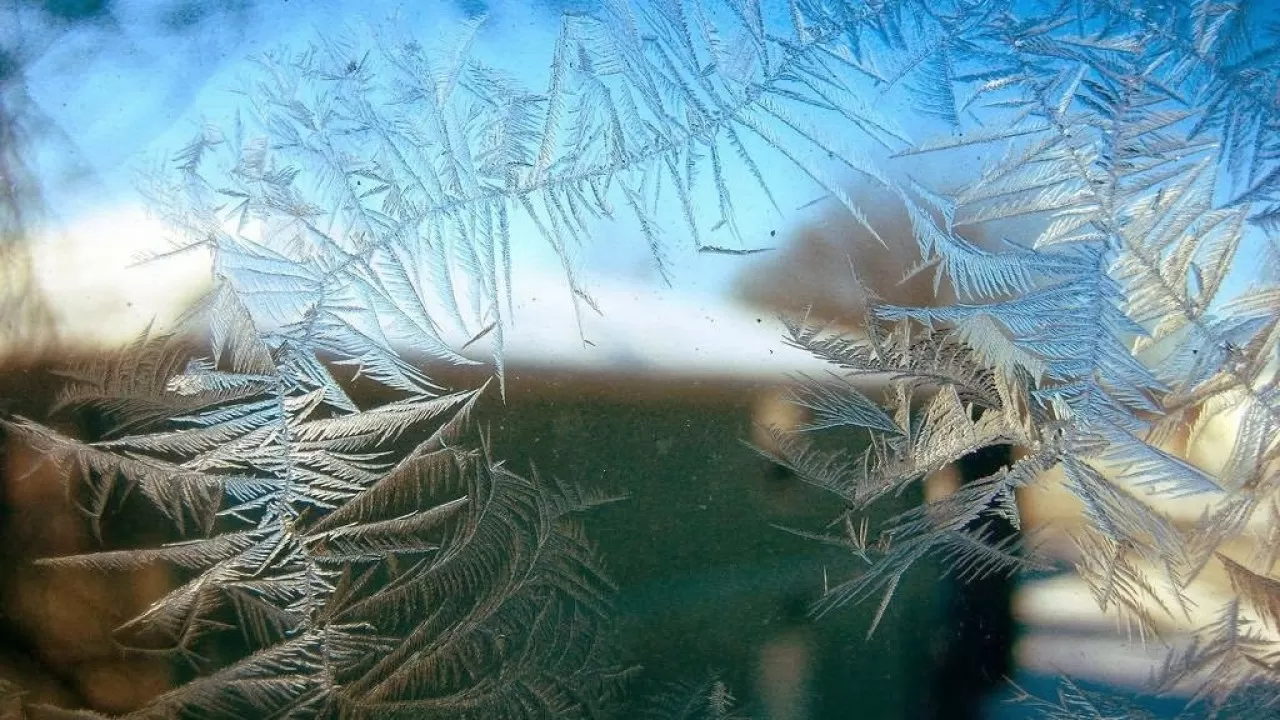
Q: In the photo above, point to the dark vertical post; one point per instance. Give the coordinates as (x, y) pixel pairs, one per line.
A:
(974, 645)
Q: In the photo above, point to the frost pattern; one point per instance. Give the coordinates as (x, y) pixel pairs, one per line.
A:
(365, 562)
(1132, 157)
(359, 211)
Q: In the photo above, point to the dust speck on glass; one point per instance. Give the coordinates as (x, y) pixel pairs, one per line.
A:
(690, 359)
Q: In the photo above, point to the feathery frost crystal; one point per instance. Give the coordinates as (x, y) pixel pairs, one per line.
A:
(360, 209)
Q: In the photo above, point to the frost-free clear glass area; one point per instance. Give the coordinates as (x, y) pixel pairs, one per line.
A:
(640, 359)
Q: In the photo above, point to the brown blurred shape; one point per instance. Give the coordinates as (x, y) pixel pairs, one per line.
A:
(831, 271)
(815, 268)
(56, 624)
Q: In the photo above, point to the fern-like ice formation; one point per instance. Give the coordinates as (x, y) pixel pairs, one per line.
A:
(364, 200)
(360, 210)
(335, 562)
(1131, 166)
(710, 699)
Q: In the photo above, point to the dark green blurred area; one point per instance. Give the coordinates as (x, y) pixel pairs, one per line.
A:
(706, 581)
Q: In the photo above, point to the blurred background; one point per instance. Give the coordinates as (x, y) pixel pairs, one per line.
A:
(661, 404)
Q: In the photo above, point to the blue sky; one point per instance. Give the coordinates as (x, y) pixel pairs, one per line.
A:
(115, 95)
(125, 90)
(131, 85)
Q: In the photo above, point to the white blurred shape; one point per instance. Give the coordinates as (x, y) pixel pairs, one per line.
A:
(99, 293)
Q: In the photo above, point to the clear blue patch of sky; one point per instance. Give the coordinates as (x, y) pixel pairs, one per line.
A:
(117, 85)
